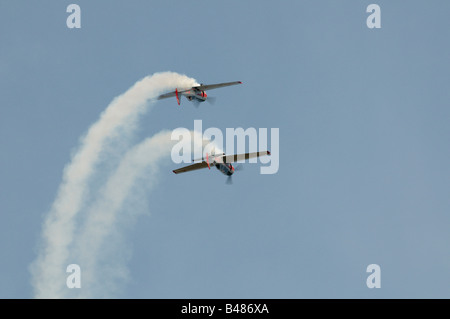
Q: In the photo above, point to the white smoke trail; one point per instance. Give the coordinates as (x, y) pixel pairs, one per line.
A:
(138, 169)
(116, 123)
(101, 219)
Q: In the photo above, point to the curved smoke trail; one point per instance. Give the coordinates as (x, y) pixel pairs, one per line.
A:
(116, 124)
(101, 226)
(138, 169)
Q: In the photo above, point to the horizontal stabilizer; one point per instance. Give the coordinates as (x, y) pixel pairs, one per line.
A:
(210, 156)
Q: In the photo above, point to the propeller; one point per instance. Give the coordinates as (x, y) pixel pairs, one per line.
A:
(211, 100)
(238, 167)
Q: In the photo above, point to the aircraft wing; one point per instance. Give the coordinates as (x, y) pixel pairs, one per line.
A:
(206, 87)
(165, 96)
(192, 167)
(240, 157)
(202, 87)
(170, 94)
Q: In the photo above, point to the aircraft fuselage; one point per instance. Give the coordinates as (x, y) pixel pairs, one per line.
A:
(195, 94)
(226, 169)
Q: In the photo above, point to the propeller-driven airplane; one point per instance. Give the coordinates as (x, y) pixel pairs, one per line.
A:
(222, 162)
(196, 93)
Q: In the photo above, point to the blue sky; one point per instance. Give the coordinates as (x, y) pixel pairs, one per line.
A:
(363, 118)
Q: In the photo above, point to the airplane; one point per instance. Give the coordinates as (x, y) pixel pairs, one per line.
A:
(196, 93)
(222, 162)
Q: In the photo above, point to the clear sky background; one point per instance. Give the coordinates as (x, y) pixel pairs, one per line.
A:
(363, 116)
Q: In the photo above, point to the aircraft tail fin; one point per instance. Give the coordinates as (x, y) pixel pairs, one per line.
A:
(178, 97)
(212, 155)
